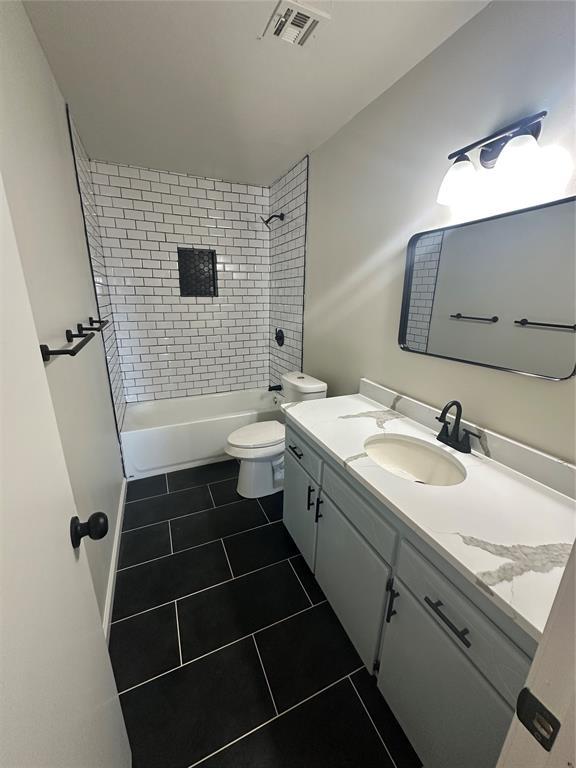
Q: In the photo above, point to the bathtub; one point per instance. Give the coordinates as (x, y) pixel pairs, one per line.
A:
(165, 435)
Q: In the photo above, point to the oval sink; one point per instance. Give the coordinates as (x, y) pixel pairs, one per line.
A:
(415, 460)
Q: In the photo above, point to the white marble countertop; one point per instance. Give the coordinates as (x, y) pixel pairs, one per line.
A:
(499, 526)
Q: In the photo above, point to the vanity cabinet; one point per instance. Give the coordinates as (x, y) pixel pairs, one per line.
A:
(353, 578)
(300, 496)
(451, 714)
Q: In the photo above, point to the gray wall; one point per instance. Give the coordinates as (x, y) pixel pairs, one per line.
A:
(374, 184)
(38, 170)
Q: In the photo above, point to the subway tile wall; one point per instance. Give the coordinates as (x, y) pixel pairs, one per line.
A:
(288, 195)
(100, 274)
(171, 345)
(425, 270)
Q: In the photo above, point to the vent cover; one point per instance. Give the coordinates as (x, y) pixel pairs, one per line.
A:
(294, 23)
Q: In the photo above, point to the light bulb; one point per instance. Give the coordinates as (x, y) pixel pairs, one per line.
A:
(556, 170)
(458, 181)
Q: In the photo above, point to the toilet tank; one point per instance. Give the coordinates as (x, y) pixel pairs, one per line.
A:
(298, 386)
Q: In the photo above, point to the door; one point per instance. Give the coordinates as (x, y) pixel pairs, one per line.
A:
(451, 714)
(300, 494)
(58, 703)
(353, 578)
(551, 680)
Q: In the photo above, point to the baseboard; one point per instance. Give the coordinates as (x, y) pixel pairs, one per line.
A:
(109, 601)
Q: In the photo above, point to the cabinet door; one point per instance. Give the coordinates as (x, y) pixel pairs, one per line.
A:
(300, 494)
(353, 578)
(451, 714)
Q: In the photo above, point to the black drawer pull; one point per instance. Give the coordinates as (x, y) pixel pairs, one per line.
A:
(310, 503)
(393, 595)
(318, 514)
(460, 633)
(296, 451)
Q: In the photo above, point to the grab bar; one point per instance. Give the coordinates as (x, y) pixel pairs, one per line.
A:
(47, 353)
(460, 316)
(525, 322)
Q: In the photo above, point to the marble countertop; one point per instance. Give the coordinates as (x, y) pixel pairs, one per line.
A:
(498, 526)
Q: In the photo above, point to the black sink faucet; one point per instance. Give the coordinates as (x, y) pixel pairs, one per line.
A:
(452, 438)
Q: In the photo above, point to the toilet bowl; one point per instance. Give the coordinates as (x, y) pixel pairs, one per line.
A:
(260, 446)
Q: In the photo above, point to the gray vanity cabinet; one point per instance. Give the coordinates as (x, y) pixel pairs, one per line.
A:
(300, 495)
(453, 716)
(353, 578)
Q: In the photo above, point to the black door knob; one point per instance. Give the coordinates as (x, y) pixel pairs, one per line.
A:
(96, 527)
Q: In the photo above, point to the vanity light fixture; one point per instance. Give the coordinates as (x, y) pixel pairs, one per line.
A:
(517, 143)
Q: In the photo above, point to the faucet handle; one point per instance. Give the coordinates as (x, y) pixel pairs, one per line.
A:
(472, 434)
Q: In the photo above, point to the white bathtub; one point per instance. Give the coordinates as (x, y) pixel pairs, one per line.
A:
(165, 435)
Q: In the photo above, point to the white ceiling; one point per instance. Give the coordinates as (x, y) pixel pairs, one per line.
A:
(188, 86)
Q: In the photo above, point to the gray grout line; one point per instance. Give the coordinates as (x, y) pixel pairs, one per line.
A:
(263, 510)
(218, 584)
(214, 650)
(370, 718)
(187, 549)
(171, 548)
(265, 675)
(227, 558)
(302, 585)
(211, 497)
(271, 720)
(179, 490)
(189, 514)
(178, 631)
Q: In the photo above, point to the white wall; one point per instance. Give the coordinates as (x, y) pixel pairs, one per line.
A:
(374, 184)
(38, 170)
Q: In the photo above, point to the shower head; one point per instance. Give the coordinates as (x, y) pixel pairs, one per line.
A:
(271, 218)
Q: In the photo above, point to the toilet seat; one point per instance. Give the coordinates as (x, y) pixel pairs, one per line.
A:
(262, 434)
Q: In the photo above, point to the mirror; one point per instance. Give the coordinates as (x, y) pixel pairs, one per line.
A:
(497, 292)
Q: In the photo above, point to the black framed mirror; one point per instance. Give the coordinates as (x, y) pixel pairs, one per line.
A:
(498, 292)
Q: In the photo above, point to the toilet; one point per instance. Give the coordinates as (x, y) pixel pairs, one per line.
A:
(260, 446)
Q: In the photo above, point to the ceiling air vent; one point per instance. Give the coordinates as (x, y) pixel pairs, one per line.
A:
(294, 23)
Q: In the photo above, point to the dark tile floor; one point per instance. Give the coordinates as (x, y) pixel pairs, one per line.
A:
(225, 651)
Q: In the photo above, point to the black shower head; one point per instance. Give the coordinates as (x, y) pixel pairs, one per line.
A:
(271, 218)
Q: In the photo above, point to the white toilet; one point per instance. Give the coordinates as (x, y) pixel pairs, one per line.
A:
(260, 446)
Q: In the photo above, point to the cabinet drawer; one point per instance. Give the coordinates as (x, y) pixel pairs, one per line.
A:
(304, 455)
(370, 524)
(490, 650)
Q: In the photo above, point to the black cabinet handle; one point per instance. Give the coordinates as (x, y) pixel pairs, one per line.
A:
(393, 595)
(310, 503)
(96, 527)
(318, 514)
(296, 451)
(460, 633)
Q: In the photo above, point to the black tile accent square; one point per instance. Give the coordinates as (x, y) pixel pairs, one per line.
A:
(273, 506)
(144, 544)
(388, 727)
(179, 718)
(255, 549)
(209, 473)
(307, 579)
(331, 730)
(151, 584)
(197, 272)
(214, 523)
(145, 487)
(226, 613)
(225, 492)
(304, 654)
(155, 510)
(144, 646)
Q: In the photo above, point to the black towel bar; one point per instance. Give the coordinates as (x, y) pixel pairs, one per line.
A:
(460, 316)
(562, 326)
(47, 353)
(93, 325)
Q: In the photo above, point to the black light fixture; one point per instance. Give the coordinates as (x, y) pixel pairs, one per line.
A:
(462, 173)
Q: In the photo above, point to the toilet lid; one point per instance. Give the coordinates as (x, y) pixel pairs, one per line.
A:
(258, 435)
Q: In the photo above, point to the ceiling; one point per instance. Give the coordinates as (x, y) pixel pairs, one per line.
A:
(190, 87)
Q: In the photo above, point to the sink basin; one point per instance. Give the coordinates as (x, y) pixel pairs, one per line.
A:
(415, 460)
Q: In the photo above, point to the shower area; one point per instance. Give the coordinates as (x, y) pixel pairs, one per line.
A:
(202, 282)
